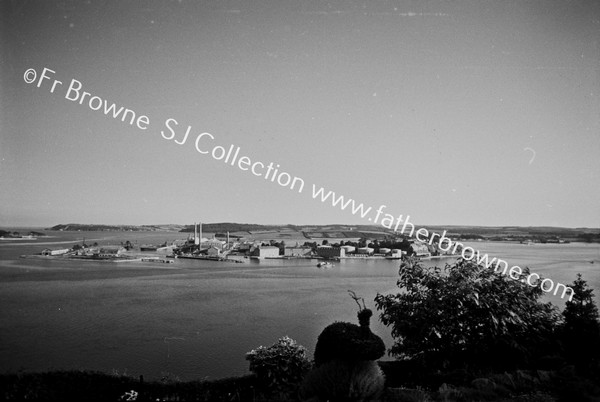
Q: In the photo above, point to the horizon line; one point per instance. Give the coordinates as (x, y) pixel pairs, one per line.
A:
(303, 224)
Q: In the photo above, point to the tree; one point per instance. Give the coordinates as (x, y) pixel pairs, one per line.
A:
(466, 316)
(581, 328)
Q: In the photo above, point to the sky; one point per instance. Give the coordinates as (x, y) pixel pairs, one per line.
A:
(452, 112)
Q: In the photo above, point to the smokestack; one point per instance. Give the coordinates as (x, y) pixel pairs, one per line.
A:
(196, 240)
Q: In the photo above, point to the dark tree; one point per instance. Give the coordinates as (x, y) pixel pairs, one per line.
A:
(467, 316)
(581, 328)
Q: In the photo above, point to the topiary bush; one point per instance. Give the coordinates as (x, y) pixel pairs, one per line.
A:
(280, 367)
(346, 341)
(345, 362)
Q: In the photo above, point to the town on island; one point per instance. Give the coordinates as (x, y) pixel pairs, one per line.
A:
(239, 242)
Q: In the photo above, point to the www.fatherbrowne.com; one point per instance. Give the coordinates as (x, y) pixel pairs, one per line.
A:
(400, 225)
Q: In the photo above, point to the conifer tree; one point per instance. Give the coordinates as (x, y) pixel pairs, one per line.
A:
(581, 328)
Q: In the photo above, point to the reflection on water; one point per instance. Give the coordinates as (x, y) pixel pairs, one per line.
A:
(196, 319)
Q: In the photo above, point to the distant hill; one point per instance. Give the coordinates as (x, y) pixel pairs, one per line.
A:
(499, 233)
(114, 228)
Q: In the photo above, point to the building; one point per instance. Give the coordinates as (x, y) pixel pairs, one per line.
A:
(349, 249)
(420, 249)
(266, 252)
(208, 243)
(247, 246)
(298, 251)
(331, 252)
(110, 251)
(213, 251)
(62, 251)
(366, 250)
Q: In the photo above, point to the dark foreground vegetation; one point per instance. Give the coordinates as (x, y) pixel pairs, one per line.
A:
(462, 333)
(401, 385)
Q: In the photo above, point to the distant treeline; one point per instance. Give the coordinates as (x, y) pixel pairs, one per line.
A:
(374, 231)
(239, 227)
(112, 228)
(515, 231)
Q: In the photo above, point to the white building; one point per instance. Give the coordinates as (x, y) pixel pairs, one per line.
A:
(349, 249)
(366, 250)
(266, 252)
(62, 251)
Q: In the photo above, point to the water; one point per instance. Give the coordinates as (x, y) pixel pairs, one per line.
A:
(198, 319)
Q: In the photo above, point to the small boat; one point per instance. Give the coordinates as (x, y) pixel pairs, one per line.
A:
(324, 264)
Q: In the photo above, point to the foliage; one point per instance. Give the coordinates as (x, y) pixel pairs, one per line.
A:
(280, 367)
(350, 342)
(466, 315)
(581, 328)
(342, 380)
(343, 340)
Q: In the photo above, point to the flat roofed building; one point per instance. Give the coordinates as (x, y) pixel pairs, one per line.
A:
(62, 251)
(266, 251)
(331, 252)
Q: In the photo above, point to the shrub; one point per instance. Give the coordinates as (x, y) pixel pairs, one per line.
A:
(351, 342)
(467, 316)
(343, 340)
(342, 380)
(280, 367)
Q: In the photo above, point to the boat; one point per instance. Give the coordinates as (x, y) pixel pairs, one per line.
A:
(324, 264)
(148, 247)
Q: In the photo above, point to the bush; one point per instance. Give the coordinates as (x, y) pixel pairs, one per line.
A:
(467, 316)
(343, 340)
(280, 367)
(342, 380)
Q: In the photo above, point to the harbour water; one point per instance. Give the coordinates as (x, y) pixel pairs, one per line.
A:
(198, 319)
